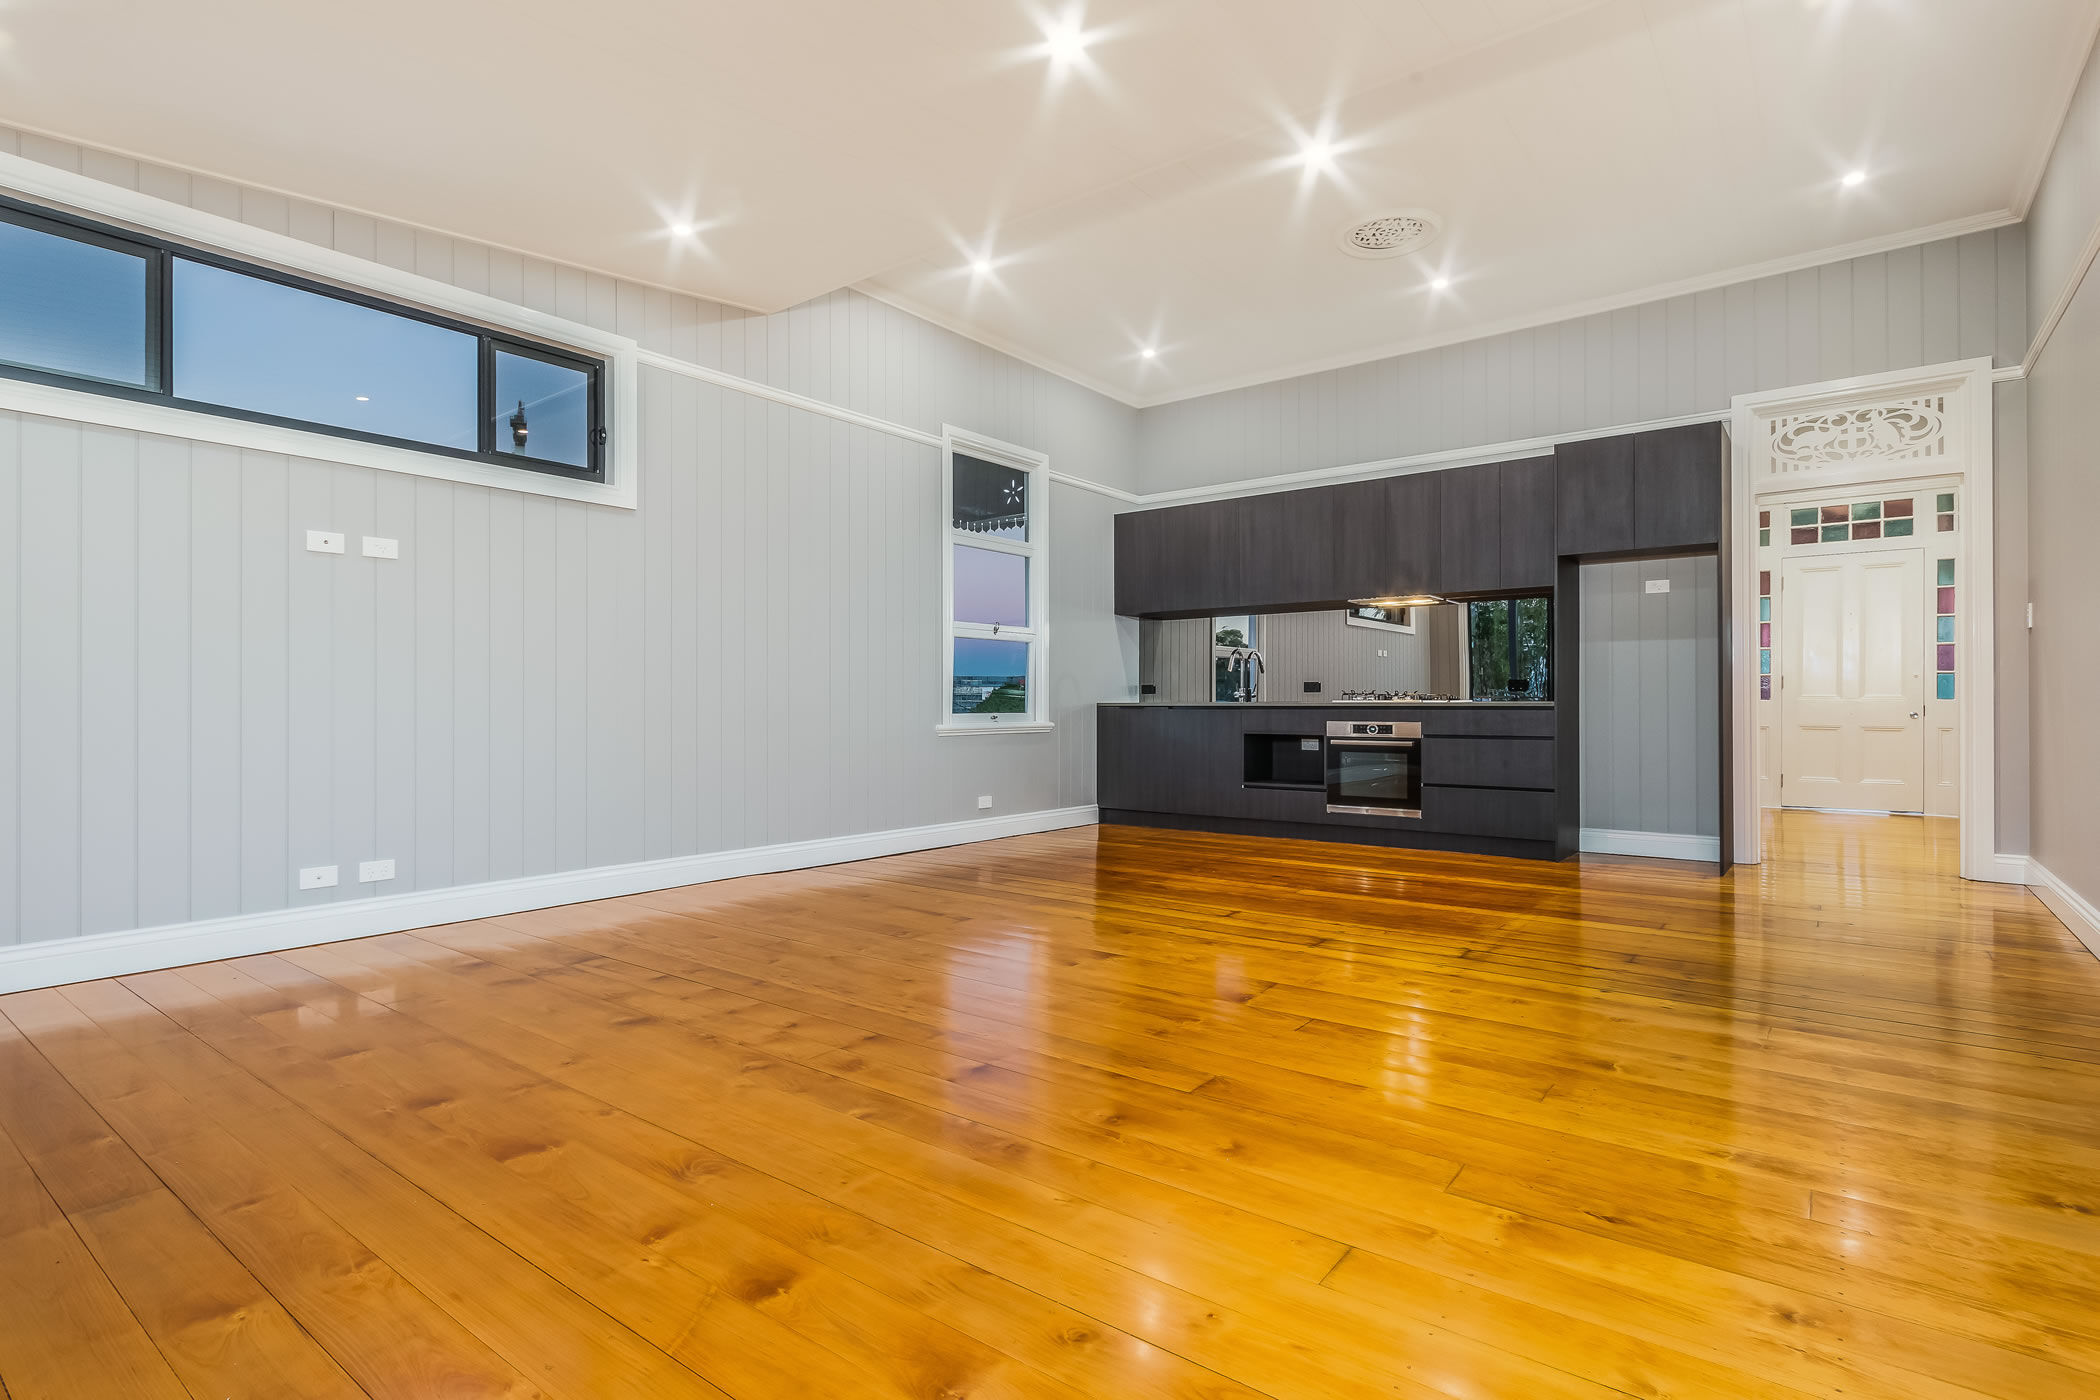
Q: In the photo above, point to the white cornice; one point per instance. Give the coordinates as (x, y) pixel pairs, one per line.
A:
(2076, 59)
(2062, 303)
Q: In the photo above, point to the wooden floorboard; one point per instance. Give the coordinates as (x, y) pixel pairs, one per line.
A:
(1102, 1112)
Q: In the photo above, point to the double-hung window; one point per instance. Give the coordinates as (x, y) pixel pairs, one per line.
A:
(994, 525)
(117, 313)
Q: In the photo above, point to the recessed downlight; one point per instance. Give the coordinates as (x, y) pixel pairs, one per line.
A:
(1855, 178)
(1438, 284)
(1389, 233)
(1149, 353)
(1064, 43)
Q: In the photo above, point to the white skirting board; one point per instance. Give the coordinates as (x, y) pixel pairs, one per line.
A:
(2067, 904)
(56, 961)
(1662, 845)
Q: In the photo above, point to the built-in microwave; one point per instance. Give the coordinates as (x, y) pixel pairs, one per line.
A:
(1374, 767)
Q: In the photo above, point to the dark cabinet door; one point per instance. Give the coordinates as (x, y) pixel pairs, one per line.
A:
(1527, 524)
(1677, 475)
(1296, 531)
(1470, 515)
(1139, 581)
(1593, 496)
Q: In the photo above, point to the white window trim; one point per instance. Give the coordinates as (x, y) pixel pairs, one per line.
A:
(48, 185)
(1035, 720)
(1408, 626)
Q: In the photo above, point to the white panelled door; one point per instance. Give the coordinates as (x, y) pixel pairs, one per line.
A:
(1853, 681)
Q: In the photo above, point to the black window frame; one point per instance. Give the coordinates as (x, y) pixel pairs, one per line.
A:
(160, 255)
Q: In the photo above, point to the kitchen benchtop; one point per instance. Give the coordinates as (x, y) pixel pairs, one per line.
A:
(1326, 705)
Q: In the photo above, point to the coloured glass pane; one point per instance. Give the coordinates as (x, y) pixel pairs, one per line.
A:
(1946, 656)
(1946, 572)
(1803, 516)
(1764, 519)
(1764, 634)
(1896, 527)
(1831, 513)
(1764, 663)
(1899, 507)
(1806, 534)
(1946, 629)
(1946, 690)
(1866, 530)
(1946, 601)
(1946, 500)
(1764, 580)
(1835, 532)
(1764, 537)
(1764, 610)
(1764, 687)
(1946, 523)
(1866, 510)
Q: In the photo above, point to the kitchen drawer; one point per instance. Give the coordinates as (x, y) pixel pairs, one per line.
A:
(1504, 812)
(1488, 763)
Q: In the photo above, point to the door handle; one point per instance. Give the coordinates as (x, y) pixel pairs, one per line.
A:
(1913, 714)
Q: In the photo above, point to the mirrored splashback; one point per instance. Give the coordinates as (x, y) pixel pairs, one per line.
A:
(1496, 650)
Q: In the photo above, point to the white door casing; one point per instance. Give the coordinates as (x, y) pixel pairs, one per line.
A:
(1853, 680)
(1864, 431)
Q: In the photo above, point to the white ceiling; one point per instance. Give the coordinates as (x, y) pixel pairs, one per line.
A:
(1579, 153)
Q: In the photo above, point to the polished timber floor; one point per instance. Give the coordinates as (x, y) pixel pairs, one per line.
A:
(1106, 1112)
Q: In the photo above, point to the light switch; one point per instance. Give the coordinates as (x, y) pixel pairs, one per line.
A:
(1658, 585)
(324, 541)
(317, 877)
(377, 547)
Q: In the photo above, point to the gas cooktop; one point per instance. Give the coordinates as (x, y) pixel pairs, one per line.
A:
(1392, 697)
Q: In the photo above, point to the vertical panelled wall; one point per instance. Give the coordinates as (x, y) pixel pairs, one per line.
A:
(192, 707)
(2064, 504)
(1323, 647)
(1954, 299)
(1651, 687)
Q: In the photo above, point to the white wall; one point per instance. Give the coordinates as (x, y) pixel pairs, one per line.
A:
(192, 707)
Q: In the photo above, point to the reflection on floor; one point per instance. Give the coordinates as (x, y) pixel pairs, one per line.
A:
(1106, 1112)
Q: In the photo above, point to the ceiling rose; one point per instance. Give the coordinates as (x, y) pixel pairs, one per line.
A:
(1389, 233)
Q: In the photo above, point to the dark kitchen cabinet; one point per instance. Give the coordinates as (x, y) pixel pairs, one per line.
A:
(1471, 530)
(1527, 524)
(1593, 496)
(1677, 478)
(1387, 536)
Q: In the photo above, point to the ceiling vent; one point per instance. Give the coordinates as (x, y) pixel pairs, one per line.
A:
(1388, 234)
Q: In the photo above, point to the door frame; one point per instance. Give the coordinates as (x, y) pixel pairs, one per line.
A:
(1874, 430)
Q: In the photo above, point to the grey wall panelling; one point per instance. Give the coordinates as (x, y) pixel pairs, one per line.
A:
(1649, 698)
(1323, 647)
(196, 707)
(1921, 305)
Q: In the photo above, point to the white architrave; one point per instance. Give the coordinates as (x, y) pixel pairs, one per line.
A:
(1871, 430)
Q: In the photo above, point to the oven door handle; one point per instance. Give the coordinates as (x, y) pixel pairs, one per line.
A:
(1374, 743)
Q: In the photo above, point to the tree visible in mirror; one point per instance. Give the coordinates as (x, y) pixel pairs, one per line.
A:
(1509, 649)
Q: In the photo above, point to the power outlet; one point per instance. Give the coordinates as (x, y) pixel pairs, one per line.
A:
(984, 804)
(317, 877)
(1658, 585)
(324, 541)
(379, 547)
(372, 871)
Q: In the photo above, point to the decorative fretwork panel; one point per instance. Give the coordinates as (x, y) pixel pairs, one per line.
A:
(1912, 430)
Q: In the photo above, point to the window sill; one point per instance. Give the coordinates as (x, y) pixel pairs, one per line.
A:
(81, 406)
(1032, 727)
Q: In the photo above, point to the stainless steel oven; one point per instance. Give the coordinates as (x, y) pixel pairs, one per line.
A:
(1374, 767)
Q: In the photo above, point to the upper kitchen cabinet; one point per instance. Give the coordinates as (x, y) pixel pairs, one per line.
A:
(1471, 533)
(1527, 489)
(1387, 536)
(1593, 496)
(1643, 493)
(1677, 476)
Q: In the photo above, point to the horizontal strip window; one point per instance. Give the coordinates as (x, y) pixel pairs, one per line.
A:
(114, 313)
